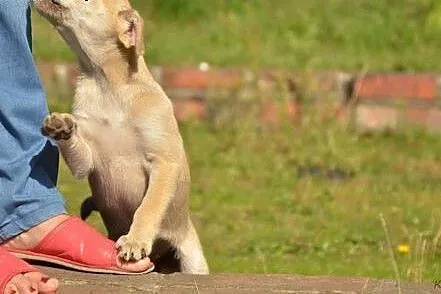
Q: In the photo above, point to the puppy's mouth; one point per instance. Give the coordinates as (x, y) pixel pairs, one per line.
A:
(51, 9)
(56, 2)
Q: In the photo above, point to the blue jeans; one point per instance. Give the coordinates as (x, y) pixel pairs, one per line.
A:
(28, 161)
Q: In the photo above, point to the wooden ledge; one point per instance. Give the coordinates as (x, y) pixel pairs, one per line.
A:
(77, 282)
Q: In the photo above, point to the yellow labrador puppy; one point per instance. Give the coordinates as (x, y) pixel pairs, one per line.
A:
(122, 134)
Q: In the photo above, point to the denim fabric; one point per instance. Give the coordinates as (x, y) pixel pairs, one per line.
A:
(28, 161)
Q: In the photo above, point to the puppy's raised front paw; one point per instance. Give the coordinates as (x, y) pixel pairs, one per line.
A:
(133, 248)
(59, 126)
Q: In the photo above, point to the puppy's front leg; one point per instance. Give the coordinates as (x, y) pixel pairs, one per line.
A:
(76, 152)
(147, 220)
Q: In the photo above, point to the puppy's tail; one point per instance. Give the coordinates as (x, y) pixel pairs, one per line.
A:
(87, 207)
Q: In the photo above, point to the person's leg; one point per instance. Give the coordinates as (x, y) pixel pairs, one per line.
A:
(30, 204)
(28, 162)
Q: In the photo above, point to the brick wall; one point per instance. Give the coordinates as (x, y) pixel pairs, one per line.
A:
(372, 101)
(398, 100)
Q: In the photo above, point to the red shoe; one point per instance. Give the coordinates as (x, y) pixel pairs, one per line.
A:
(74, 244)
(10, 266)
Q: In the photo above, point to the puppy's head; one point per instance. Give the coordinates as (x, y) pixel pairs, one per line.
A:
(92, 26)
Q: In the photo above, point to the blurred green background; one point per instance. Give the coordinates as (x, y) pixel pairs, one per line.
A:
(314, 34)
(303, 198)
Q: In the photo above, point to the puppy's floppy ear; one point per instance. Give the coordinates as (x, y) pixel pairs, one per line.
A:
(130, 30)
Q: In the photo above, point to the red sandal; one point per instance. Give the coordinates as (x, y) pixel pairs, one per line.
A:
(10, 266)
(76, 245)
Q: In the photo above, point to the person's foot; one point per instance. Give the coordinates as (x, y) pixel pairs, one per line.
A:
(32, 283)
(17, 277)
(31, 238)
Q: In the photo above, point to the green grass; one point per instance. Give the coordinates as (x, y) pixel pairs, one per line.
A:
(257, 214)
(315, 34)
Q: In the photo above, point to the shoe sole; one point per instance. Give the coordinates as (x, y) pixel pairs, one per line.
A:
(32, 256)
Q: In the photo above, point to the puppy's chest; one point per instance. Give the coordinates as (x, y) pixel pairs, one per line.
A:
(112, 137)
(104, 120)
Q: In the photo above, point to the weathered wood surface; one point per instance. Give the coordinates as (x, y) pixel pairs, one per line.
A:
(77, 283)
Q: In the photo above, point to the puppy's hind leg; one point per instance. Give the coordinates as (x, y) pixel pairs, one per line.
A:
(190, 253)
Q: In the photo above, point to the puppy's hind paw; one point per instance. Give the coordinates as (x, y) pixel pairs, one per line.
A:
(59, 126)
(130, 249)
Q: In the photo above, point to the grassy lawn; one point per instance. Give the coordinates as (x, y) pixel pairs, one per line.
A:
(315, 34)
(263, 202)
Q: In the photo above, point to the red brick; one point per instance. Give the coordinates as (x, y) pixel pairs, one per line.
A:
(428, 117)
(194, 78)
(46, 71)
(342, 113)
(293, 108)
(269, 113)
(375, 117)
(417, 115)
(398, 86)
(273, 112)
(48, 74)
(186, 109)
(434, 120)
